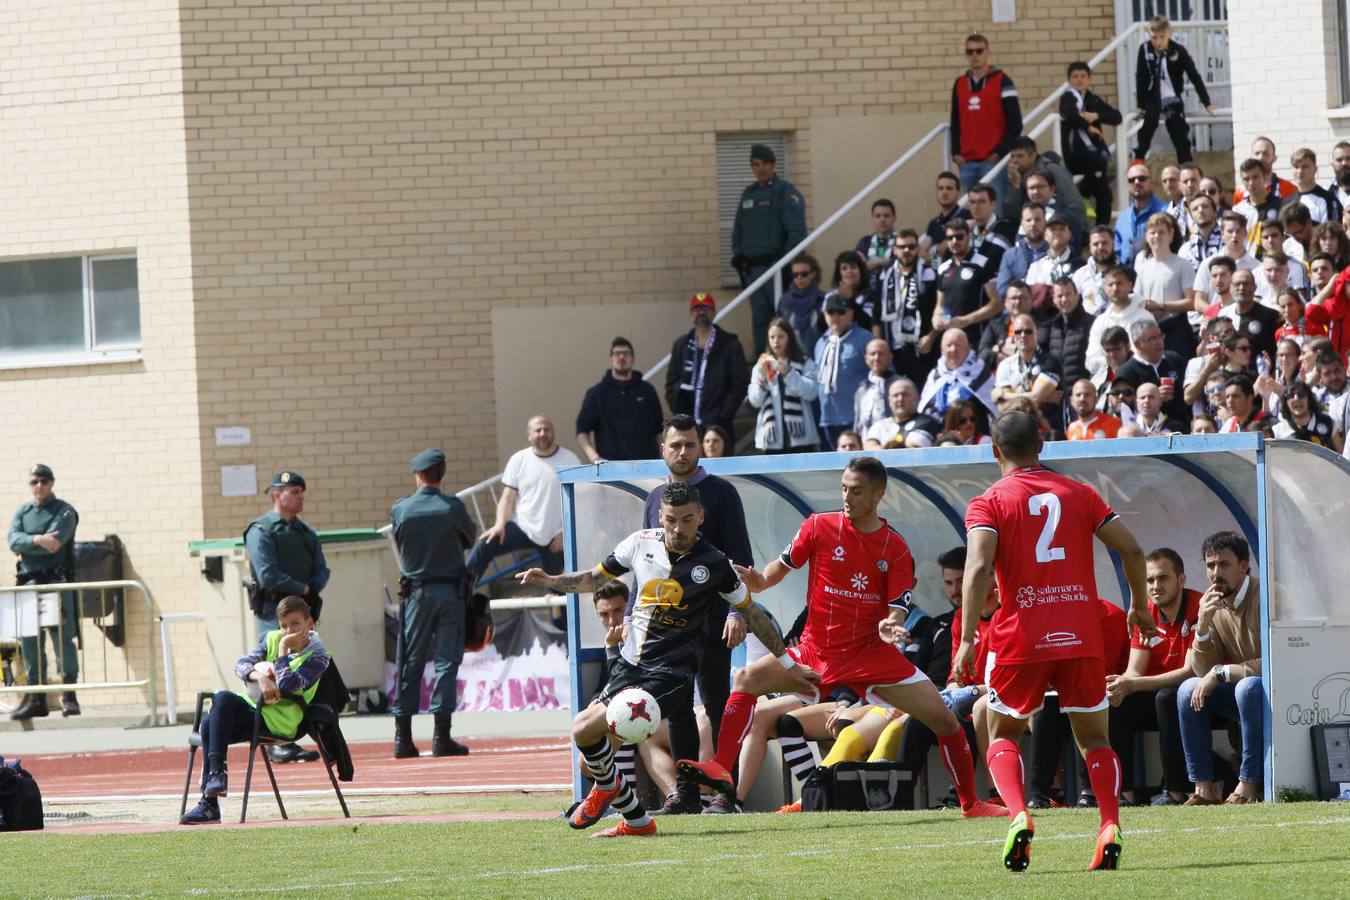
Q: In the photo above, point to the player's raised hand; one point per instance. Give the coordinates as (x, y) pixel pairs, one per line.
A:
(753, 580)
(963, 664)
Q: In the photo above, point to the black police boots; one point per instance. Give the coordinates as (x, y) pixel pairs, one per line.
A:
(441, 742)
(34, 706)
(403, 744)
(69, 705)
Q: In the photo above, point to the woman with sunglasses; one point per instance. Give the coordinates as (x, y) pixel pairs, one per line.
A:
(782, 388)
(802, 302)
(962, 424)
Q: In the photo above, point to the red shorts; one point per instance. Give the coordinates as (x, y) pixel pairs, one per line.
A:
(877, 665)
(1018, 689)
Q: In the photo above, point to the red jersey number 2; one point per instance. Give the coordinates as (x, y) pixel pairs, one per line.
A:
(1046, 504)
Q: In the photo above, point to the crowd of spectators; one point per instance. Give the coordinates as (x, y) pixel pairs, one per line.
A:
(1197, 311)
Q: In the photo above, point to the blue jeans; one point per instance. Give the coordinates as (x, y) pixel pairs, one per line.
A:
(433, 615)
(514, 539)
(1245, 702)
(229, 721)
(972, 172)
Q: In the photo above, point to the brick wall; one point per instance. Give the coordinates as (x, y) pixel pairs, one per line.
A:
(370, 180)
(93, 160)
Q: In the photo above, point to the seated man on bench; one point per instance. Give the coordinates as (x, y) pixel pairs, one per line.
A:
(287, 661)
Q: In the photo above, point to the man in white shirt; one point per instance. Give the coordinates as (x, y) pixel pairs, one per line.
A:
(1090, 279)
(1233, 227)
(529, 511)
(1122, 311)
(869, 401)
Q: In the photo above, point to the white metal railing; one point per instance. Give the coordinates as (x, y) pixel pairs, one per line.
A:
(18, 627)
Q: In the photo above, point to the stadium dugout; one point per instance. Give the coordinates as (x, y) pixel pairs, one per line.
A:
(1289, 499)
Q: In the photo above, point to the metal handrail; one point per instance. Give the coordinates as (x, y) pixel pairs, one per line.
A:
(61, 587)
(1130, 125)
(772, 272)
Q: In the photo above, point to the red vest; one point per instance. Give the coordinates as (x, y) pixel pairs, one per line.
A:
(981, 115)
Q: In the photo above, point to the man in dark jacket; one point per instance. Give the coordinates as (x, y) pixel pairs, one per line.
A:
(1066, 337)
(1081, 117)
(621, 416)
(708, 376)
(1159, 82)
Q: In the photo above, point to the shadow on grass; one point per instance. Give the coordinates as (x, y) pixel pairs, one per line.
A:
(788, 823)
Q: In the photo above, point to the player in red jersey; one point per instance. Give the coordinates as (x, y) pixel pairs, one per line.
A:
(1033, 530)
(861, 579)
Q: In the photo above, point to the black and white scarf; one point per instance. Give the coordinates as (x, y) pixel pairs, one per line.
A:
(695, 366)
(899, 304)
(782, 421)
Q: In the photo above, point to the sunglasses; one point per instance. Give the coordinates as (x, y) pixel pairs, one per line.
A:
(621, 353)
(976, 51)
(1024, 331)
(835, 312)
(36, 481)
(907, 246)
(1120, 395)
(806, 274)
(968, 420)
(1138, 179)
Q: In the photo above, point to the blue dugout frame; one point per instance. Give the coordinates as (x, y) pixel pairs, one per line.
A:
(899, 464)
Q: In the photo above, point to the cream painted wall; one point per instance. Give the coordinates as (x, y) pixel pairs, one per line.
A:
(545, 358)
(849, 151)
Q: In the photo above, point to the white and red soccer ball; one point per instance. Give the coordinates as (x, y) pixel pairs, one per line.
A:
(633, 715)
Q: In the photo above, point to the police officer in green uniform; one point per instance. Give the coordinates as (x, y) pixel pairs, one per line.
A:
(42, 533)
(770, 221)
(286, 558)
(432, 532)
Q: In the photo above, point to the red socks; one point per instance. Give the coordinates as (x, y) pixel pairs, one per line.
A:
(1005, 767)
(960, 766)
(736, 720)
(1103, 768)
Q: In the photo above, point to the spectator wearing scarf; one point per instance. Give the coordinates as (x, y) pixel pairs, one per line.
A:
(800, 304)
(840, 367)
(782, 387)
(960, 374)
(708, 376)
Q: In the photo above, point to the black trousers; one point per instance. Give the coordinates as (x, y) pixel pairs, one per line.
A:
(1150, 711)
(1175, 122)
(1049, 729)
(714, 687)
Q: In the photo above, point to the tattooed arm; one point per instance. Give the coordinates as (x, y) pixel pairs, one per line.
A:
(568, 583)
(761, 626)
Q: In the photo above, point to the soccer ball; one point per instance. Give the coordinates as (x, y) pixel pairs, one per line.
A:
(633, 715)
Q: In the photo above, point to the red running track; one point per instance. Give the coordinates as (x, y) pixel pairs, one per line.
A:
(492, 765)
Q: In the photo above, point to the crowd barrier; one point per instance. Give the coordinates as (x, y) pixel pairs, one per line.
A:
(24, 609)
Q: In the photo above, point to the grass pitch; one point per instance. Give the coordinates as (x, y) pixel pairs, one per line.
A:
(1255, 851)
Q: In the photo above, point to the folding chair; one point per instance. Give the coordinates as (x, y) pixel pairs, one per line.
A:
(262, 738)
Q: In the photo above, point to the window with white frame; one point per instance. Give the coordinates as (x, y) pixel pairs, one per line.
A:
(68, 308)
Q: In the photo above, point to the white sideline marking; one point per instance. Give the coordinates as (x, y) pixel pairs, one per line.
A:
(325, 792)
(580, 867)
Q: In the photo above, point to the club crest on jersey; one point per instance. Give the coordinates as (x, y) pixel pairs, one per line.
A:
(882, 566)
(839, 553)
(859, 581)
(699, 574)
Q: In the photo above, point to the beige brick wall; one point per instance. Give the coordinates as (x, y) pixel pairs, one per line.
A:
(92, 159)
(330, 201)
(370, 180)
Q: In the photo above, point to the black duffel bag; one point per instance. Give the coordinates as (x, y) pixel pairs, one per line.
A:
(861, 786)
(20, 799)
